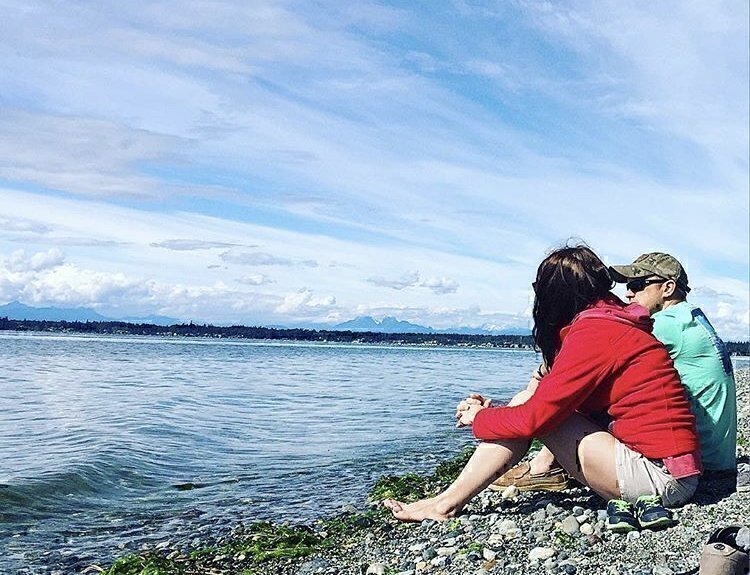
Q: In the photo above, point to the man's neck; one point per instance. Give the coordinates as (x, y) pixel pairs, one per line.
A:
(670, 302)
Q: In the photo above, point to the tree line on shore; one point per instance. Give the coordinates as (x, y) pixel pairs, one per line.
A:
(256, 332)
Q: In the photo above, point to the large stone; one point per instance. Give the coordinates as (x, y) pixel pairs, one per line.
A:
(510, 492)
(509, 530)
(443, 551)
(496, 539)
(539, 516)
(634, 535)
(541, 553)
(570, 525)
(429, 553)
(375, 569)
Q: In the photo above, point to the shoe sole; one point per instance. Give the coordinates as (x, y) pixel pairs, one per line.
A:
(621, 527)
(657, 524)
(552, 487)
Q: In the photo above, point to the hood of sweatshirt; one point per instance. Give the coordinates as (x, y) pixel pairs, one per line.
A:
(614, 309)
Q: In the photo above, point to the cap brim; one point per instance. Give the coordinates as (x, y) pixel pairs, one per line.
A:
(623, 274)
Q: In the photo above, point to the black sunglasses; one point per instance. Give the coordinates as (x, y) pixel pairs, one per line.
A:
(640, 284)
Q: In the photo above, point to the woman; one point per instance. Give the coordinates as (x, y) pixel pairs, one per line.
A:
(603, 364)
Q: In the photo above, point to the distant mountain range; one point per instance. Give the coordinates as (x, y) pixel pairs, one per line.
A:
(18, 311)
(392, 325)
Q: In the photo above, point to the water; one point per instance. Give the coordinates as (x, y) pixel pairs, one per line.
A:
(111, 442)
(102, 437)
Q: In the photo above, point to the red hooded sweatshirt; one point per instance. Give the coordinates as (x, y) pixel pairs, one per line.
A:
(608, 363)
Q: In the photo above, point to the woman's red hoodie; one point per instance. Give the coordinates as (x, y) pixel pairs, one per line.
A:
(609, 363)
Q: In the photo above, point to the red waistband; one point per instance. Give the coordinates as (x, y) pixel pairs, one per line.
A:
(683, 466)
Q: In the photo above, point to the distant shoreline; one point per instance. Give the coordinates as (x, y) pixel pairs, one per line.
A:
(191, 330)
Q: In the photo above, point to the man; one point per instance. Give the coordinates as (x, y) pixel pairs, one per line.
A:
(658, 282)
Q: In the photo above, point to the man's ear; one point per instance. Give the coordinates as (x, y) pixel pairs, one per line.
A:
(668, 288)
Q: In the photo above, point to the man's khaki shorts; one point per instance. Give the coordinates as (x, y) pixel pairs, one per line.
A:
(637, 475)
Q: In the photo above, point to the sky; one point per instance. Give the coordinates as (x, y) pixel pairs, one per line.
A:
(283, 163)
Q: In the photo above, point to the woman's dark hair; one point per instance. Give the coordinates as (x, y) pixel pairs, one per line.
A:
(568, 281)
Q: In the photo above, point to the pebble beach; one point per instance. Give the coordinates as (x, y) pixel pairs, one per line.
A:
(499, 533)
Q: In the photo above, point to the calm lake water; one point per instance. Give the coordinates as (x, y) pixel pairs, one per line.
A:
(99, 436)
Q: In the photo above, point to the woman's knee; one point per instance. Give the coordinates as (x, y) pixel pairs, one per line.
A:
(519, 398)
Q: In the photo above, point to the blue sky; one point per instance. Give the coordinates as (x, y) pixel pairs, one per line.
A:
(286, 162)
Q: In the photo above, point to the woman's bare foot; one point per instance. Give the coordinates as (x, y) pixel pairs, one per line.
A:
(420, 510)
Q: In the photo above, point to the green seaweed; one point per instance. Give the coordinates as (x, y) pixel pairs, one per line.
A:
(473, 546)
(742, 440)
(343, 526)
(536, 445)
(447, 471)
(412, 487)
(409, 487)
(270, 541)
(564, 540)
(144, 565)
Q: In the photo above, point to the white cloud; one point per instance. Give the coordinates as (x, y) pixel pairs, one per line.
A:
(78, 154)
(262, 259)
(256, 280)
(190, 245)
(20, 262)
(303, 304)
(438, 285)
(442, 285)
(22, 225)
(410, 279)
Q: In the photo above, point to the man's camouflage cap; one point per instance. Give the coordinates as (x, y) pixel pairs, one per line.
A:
(655, 263)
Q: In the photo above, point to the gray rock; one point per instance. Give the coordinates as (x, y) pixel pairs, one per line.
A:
(743, 539)
(541, 553)
(506, 525)
(510, 492)
(376, 569)
(429, 553)
(440, 561)
(474, 555)
(539, 516)
(568, 568)
(661, 570)
(570, 525)
(313, 565)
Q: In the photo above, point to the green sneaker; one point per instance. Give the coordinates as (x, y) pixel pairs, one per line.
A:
(621, 516)
(652, 514)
